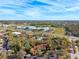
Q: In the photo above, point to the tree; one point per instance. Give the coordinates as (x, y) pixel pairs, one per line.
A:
(76, 57)
(27, 44)
(58, 45)
(67, 57)
(4, 55)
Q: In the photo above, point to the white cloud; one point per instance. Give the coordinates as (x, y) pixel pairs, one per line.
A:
(52, 3)
(12, 2)
(72, 9)
(22, 10)
(7, 11)
(61, 7)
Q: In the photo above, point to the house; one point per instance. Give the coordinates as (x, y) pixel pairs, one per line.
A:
(16, 33)
(39, 38)
(2, 34)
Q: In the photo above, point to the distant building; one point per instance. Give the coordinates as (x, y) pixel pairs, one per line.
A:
(46, 29)
(32, 28)
(20, 27)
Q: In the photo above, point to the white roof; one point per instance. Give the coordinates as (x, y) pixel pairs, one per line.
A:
(39, 38)
(16, 33)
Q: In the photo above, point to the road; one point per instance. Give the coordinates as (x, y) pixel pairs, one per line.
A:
(75, 55)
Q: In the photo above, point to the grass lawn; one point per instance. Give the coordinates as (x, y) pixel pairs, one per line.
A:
(60, 32)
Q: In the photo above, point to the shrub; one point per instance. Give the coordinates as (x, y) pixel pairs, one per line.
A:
(76, 57)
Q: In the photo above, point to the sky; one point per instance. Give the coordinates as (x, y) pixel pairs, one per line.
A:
(39, 9)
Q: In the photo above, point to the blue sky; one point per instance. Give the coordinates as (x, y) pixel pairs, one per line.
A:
(39, 9)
